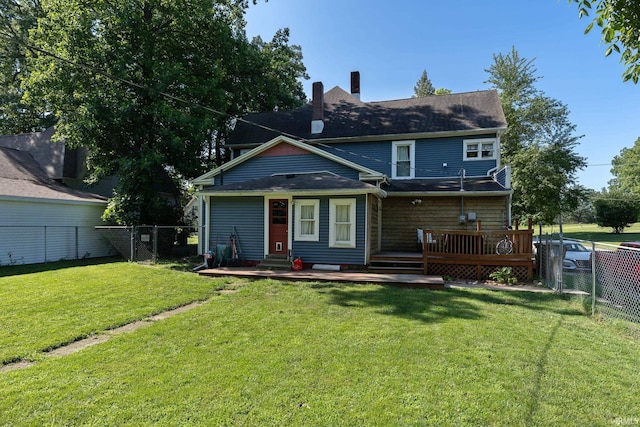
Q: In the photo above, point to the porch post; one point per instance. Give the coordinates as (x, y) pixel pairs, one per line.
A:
(425, 249)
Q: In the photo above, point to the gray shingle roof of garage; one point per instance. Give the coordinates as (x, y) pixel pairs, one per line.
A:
(21, 176)
(294, 182)
(346, 117)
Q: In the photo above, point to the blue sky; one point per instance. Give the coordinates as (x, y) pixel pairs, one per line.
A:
(392, 42)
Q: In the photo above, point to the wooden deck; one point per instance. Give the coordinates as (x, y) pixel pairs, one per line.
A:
(463, 254)
(476, 254)
(394, 279)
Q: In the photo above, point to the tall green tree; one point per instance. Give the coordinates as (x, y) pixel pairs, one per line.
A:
(626, 171)
(150, 85)
(619, 23)
(424, 87)
(539, 143)
(17, 17)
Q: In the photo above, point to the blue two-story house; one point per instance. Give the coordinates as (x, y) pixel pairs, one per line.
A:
(339, 179)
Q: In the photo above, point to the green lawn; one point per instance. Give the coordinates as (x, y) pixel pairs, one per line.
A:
(593, 233)
(46, 305)
(311, 354)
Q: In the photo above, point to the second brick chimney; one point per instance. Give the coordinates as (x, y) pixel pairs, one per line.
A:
(355, 84)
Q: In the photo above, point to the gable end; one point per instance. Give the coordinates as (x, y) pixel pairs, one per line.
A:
(284, 149)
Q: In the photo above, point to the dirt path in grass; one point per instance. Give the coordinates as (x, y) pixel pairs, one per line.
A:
(81, 344)
(231, 288)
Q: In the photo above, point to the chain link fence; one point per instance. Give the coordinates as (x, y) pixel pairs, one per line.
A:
(48, 243)
(607, 274)
(152, 242)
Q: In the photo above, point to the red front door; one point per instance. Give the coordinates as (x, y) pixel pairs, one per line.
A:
(278, 226)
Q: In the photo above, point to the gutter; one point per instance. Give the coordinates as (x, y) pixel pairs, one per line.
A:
(53, 201)
(456, 193)
(387, 137)
(244, 193)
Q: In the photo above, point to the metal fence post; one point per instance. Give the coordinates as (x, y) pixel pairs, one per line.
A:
(45, 243)
(77, 253)
(593, 278)
(133, 244)
(560, 262)
(154, 256)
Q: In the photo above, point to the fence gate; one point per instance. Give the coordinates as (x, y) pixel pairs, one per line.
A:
(147, 242)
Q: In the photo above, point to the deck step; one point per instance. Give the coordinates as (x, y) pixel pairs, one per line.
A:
(405, 263)
(275, 262)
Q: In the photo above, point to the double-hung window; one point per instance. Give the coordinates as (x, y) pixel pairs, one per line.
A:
(480, 149)
(342, 223)
(307, 217)
(403, 159)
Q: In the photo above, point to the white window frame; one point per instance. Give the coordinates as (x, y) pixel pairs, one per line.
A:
(394, 159)
(299, 203)
(479, 142)
(333, 204)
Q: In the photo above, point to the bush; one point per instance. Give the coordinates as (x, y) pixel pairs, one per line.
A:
(504, 275)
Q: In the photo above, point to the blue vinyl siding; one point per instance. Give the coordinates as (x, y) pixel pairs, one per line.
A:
(247, 215)
(259, 167)
(374, 155)
(430, 155)
(320, 252)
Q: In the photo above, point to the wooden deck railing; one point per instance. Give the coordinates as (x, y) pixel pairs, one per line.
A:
(480, 248)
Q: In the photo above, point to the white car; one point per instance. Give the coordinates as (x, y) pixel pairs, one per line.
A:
(576, 255)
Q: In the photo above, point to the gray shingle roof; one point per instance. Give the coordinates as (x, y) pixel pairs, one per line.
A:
(295, 182)
(21, 176)
(345, 117)
(444, 185)
(49, 155)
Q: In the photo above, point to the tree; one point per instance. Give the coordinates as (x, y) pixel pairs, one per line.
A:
(619, 22)
(585, 212)
(424, 87)
(626, 171)
(442, 91)
(616, 210)
(17, 17)
(149, 85)
(539, 142)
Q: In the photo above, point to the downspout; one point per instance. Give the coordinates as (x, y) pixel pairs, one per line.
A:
(207, 224)
(461, 218)
(507, 184)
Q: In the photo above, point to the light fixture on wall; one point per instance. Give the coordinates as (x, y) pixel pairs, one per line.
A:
(416, 202)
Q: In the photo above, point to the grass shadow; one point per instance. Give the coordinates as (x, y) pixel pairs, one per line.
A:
(432, 306)
(15, 270)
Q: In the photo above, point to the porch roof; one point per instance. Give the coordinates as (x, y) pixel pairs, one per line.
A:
(446, 186)
(302, 183)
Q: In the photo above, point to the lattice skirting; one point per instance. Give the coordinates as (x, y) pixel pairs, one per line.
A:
(478, 272)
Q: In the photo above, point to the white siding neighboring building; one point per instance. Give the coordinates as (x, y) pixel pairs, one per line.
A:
(42, 220)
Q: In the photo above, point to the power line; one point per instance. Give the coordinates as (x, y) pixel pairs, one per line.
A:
(94, 70)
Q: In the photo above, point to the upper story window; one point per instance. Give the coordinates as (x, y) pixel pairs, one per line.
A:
(403, 159)
(480, 149)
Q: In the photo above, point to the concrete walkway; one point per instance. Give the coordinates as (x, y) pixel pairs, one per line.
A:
(401, 280)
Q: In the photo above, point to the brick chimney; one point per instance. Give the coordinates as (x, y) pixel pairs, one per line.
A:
(317, 116)
(355, 84)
